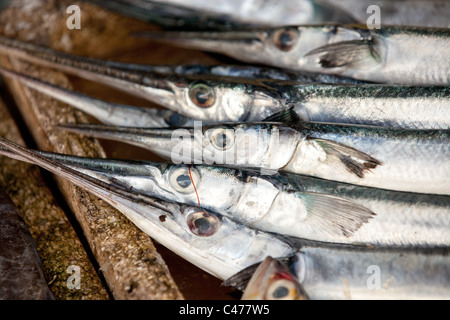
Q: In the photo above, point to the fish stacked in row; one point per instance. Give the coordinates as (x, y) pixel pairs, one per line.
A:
(333, 159)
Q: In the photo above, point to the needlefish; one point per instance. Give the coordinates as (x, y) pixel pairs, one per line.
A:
(243, 196)
(272, 280)
(332, 271)
(216, 99)
(286, 204)
(392, 54)
(208, 240)
(387, 158)
(229, 14)
(430, 13)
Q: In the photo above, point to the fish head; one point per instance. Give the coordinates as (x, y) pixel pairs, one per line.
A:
(286, 47)
(272, 280)
(208, 99)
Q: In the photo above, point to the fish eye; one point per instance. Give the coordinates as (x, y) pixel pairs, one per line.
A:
(202, 95)
(181, 181)
(203, 224)
(286, 38)
(222, 139)
(174, 119)
(282, 289)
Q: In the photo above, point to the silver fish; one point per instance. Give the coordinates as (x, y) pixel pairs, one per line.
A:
(208, 240)
(419, 13)
(273, 280)
(277, 203)
(346, 272)
(244, 71)
(386, 158)
(106, 112)
(248, 198)
(392, 54)
(403, 219)
(73, 64)
(287, 12)
(216, 99)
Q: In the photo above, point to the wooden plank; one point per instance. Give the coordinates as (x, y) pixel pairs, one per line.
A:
(56, 241)
(132, 267)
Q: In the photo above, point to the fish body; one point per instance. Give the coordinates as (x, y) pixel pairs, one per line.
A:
(410, 159)
(273, 280)
(402, 219)
(21, 275)
(231, 14)
(208, 240)
(385, 158)
(217, 99)
(391, 54)
(350, 273)
(287, 204)
(242, 196)
(197, 15)
(238, 71)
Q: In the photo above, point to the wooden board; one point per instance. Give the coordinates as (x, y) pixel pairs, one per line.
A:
(56, 241)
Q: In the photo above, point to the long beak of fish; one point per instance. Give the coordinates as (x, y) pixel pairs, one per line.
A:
(156, 87)
(221, 42)
(272, 280)
(106, 112)
(162, 141)
(109, 192)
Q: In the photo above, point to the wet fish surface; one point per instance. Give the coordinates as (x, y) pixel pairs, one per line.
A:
(272, 280)
(210, 241)
(391, 54)
(244, 197)
(431, 13)
(286, 204)
(216, 99)
(386, 158)
(347, 272)
(196, 15)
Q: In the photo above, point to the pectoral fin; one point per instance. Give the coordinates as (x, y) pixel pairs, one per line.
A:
(346, 53)
(353, 160)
